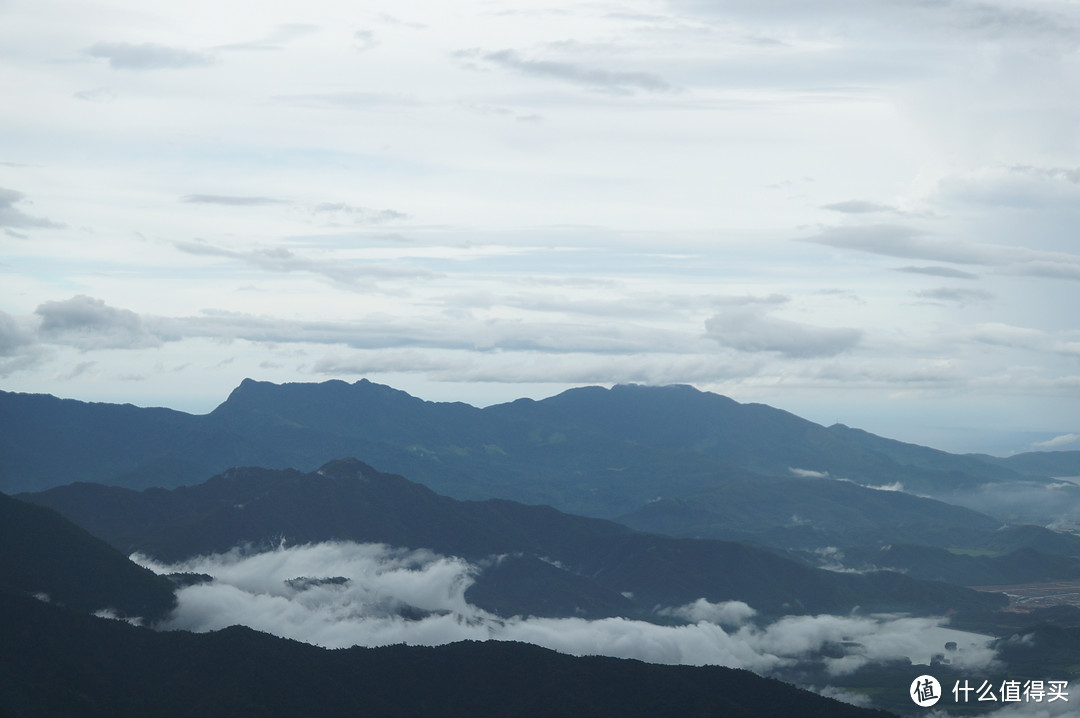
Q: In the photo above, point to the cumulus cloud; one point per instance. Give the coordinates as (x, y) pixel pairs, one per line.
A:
(726, 613)
(147, 56)
(10, 216)
(88, 323)
(338, 594)
(615, 82)
(752, 330)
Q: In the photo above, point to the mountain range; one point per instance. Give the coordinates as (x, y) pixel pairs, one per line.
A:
(554, 563)
(591, 451)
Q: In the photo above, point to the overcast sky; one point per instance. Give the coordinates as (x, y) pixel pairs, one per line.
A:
(859, 212)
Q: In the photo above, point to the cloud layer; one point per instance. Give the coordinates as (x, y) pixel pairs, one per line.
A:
(342, 594)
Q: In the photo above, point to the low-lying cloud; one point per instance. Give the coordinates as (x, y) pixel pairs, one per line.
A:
(339, 594)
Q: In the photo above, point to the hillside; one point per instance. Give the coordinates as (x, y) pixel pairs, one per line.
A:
(44, 554)
(59, 664)
(596, 561)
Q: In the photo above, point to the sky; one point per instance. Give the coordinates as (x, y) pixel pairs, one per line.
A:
(857, 212)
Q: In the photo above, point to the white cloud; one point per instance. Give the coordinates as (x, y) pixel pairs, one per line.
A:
(809, 473)
(342, 594)
(1057, 441)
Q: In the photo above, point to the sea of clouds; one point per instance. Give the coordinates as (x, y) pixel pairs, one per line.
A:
(340, 594)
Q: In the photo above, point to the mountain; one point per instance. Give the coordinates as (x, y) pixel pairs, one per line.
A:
(44, 554)
(592, 451)
(1040, 463)
(60, 664)
(561, 563)
(812, 512)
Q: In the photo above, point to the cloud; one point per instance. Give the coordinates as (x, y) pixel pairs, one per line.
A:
(808, 473)
(339, 594)
(538, 367)
(19, 349)
(752, 330)
(147, 56)
(87, 323)
(893, 240)
(1006, 335)
(364, 40)
(350, 274)
(12, 336)
(336, 213)
(621, 83)
(231, 200)
(939, 272)
(1020, 187)
(100, 94)
(1063, 440)
(12, 217)
(950, 294)
(772, 299)
(726, 613)
(857, 206)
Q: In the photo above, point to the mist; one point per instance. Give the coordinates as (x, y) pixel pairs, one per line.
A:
(340, 594)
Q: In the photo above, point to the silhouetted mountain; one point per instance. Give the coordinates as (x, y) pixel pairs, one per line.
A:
(59, 664)
(590, 564)
(42, 553)
(592, 451)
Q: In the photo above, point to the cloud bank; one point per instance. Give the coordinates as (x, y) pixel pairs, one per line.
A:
(339, 594)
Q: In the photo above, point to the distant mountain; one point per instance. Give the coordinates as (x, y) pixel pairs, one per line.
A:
(592, 451)
(557, 563)
(1022, 565)
(44, 554)
(812, 512)
(1040, 463)
(59, 664)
